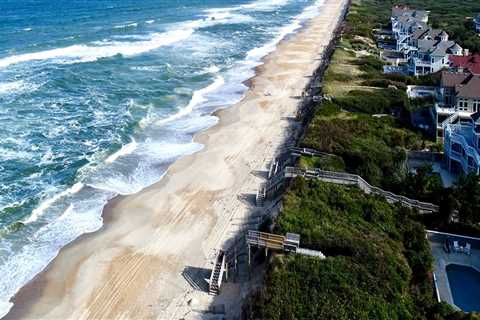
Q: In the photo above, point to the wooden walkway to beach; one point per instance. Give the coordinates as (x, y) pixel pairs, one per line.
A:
(353, 179)
(278, 174)
(289, 243)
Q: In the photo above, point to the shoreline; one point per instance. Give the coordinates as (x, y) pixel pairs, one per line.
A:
(132, 266)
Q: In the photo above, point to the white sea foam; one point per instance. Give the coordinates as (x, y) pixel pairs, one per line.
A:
(85, 53)
(38, 249)
(213, 69)
(149, 21)
(125, 150)
(141, 164)
(307, 13)
(132, 37)
(8, 154)
(126, 26)
(198, 97)
(40, 210)
(15, 87)
(260, 5)
(265, 5)
(106, 48)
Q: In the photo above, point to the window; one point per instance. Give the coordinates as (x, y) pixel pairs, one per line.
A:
(462, 105)
(470, 161)
(476, 105)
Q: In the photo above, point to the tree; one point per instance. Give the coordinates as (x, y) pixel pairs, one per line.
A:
(467, 193)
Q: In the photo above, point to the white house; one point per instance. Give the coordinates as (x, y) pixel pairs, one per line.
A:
(404, 22)
(432, 55)
(460, 95)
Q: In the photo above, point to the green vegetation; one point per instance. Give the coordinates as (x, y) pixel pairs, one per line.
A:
(377, 267)
(329, 163)
(373, 148)
(461, 202)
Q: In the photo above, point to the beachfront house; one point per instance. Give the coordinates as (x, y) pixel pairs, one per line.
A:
(427, 50)
(432, 55)
(406, 21)
(462, 144)
(459, 95)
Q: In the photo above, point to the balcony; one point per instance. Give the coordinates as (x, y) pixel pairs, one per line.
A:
(464, 136)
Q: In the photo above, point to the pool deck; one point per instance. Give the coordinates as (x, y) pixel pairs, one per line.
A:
(442, 259)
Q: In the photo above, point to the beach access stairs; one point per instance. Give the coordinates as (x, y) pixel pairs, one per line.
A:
(281, 170)
(216, 276)
(241, 248)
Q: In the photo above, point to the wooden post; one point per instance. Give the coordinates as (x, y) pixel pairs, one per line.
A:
(249, 255)
(226, 270)
(235, 258)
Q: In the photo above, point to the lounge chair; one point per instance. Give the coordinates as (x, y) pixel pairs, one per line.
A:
(456, 247)
(468, 248)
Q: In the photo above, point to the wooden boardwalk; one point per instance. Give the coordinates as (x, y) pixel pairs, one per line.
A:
(353, 179)
(288, 243)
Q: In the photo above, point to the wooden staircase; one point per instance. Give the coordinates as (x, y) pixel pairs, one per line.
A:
(217, 274)
(260, 197)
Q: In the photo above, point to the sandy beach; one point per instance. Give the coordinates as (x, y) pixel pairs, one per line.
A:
(132, 268)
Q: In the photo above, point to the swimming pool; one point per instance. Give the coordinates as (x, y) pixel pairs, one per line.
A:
(465, 286)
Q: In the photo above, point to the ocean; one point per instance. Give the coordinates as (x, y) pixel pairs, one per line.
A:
(98, 98)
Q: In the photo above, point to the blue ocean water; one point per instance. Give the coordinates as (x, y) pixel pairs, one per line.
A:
(98, 98)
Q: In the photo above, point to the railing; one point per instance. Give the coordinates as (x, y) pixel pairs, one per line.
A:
(350, 179)
(452, 135)
(216, 276)
(308, 152)
(265, 240)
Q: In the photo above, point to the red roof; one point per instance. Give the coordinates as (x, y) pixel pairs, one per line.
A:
(470, 62)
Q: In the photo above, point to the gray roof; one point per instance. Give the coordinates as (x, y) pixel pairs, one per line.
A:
(404, 11)
(433, 34)
(425, 45)
(466, 85)
(442, 48)
(418, 34)
(469, 90)
(436, 47)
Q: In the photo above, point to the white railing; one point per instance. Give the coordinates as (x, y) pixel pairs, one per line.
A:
(453, 134)
(347, 178)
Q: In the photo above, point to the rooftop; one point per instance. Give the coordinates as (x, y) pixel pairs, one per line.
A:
(398, 11)
(470, 62)
(466, 85)
(436, 47)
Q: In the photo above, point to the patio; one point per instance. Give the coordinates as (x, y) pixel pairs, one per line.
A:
(442, 259)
